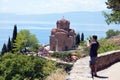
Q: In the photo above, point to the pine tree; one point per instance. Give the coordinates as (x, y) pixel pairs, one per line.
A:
(77, 39)
(9, 45)
(82, 37)
(4, 49)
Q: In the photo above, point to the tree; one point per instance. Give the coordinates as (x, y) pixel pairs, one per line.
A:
(4, 49)
(25, 39)
(114, 16)
(9, 45)
(14, 37)
(14, 33)
(82, 37)
(77, 39)
(111, 33)
(19, 43)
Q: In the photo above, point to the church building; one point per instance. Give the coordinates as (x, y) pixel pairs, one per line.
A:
(62, 38)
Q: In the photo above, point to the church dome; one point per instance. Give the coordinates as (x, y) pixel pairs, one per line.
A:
(63, 24)
(63, 21)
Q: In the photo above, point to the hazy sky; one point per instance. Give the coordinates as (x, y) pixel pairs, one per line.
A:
(50, 6)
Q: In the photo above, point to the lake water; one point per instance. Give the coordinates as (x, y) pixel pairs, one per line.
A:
(43, 30)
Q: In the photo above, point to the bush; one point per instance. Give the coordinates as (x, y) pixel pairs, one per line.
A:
(111, 33)
(106, 46)
(68, 56)
(61, 56)
(17, 67)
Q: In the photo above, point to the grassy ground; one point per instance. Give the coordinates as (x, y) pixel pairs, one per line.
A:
(59, 74)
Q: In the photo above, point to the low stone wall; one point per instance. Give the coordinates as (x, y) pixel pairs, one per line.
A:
(81, 69)
(106, 59)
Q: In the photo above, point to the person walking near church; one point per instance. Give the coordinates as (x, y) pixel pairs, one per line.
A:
(93, 45)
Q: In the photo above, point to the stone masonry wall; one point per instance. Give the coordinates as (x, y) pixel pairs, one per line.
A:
(106, 59)
(81, 69)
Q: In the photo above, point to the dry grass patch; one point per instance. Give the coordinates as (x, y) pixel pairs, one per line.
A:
(59, 74)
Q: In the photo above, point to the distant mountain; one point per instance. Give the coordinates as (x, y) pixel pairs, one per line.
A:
(75, 17)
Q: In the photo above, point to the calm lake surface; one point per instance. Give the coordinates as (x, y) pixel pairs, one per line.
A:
(43, 30)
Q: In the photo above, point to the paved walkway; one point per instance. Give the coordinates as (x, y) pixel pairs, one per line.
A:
(111, 73)
(81, 71)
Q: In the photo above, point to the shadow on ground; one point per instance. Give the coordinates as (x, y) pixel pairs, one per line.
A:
(103, 77)
(100, 77)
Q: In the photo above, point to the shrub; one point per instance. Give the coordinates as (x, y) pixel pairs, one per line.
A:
(106, 46)
(112, 32)
(19, 67)
(68, 56)
(66, 67)
(61, 56)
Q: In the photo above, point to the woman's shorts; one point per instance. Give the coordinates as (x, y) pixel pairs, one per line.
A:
(93, 60)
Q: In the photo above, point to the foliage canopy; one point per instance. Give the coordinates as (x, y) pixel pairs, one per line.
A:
(77, 39)
(25, 39)
(114, 16)
(20, 67)
(111, 33)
